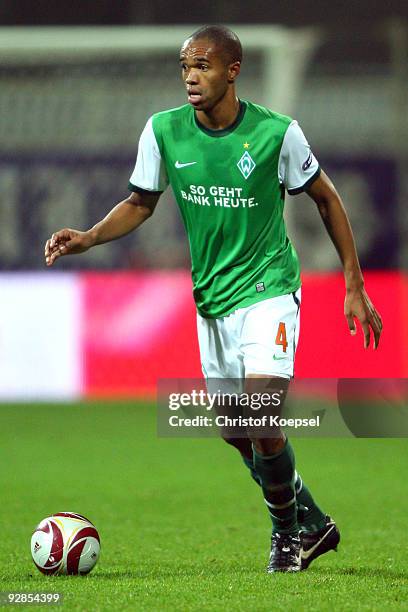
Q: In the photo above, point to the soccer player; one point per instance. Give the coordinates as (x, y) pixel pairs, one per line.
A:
(229, 162)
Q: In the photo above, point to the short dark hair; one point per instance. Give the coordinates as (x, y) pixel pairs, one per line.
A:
(223, 37)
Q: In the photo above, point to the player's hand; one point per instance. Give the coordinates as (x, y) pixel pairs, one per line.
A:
(67, 242)
(358, 305)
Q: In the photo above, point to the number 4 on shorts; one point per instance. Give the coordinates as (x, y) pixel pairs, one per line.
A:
(281, 337)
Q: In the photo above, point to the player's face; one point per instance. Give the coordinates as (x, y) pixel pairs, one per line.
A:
(205, 73)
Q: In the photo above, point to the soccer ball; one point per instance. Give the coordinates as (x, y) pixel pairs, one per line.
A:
(65, 543)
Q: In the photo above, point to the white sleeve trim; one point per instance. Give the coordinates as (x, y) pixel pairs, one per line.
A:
(297, 164)
(150, 172)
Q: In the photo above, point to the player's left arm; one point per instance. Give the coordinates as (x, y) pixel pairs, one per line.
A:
(357, 304)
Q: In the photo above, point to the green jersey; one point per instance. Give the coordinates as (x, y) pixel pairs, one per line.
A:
(230, 186)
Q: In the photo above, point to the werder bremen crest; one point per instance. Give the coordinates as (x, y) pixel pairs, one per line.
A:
(246, 165)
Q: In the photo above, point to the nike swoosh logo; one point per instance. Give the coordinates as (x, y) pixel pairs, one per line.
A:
(180, 165)
(305, 554)
(278, 358)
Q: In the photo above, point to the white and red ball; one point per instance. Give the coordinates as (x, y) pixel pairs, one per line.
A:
(65, 543)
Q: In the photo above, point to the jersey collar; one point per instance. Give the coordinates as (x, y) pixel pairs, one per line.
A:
(228, 129)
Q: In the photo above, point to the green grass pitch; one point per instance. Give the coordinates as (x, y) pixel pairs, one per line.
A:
(182, 525)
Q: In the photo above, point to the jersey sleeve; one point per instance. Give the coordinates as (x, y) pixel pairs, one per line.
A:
(150, 172)
(298, 168)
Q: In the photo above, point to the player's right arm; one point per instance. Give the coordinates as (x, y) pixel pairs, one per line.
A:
(147, 182)
(121, 220)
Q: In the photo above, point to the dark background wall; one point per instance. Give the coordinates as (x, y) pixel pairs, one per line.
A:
(336, 15)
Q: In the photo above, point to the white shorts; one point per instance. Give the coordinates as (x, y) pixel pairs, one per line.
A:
(258, 339)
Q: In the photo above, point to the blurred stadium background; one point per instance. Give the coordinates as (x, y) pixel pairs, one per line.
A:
(76, 88)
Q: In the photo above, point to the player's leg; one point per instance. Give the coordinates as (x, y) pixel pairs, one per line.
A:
(273, 456)
(252, 332)
(221, 359)
(268, 342)
(274, 463)
(269, 338)
(314, 541)
(222, 365)
(223, 369)
(318, 532)
(309, 516)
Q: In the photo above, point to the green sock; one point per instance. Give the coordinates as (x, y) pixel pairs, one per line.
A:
(250, 465)
(309, 516)
(277, 474)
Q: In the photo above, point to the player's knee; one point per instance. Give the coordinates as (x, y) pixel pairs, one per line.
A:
(243, 445)
(268, 446)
